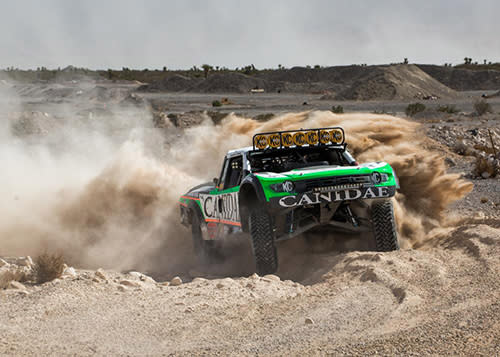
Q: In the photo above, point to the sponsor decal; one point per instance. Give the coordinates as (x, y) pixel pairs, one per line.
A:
(312, 198)
(223, 208)
(287, 186)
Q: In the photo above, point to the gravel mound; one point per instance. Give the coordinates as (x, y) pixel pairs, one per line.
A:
(400, 82)
(32, 123)
(175, 83)
(230, 83)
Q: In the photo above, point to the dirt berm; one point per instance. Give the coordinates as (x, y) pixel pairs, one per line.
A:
(401, 82)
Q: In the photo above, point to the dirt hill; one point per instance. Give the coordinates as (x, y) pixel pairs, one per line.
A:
(464, 79)
(403, 82)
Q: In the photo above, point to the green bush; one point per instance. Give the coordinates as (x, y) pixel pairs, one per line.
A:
(414, 108)
(338, 109)
(450, 109)
(216, 103)
(482, 107)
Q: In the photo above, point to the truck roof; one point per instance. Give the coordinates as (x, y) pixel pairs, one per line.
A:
(239, 151)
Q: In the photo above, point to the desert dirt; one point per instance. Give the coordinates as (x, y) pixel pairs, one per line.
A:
(94, 179)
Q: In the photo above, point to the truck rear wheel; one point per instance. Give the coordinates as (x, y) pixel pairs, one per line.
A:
(205, 250)
(264, 250)
(384, 226)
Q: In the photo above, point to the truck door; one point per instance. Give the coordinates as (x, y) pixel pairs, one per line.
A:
(220, 207)
(228, 213)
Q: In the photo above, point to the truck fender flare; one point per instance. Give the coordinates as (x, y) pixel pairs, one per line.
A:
(250, 194)
(193, 208)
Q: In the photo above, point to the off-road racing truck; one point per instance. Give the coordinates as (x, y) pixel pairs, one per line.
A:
(289, 183)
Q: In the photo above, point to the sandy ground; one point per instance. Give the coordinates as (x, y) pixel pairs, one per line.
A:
(441, 298)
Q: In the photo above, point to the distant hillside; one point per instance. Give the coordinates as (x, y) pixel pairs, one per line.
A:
(464, 79)
(335, 82)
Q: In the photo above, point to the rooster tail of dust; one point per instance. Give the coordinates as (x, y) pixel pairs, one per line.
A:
(124, 214)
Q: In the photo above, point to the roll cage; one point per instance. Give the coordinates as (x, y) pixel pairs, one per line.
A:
(239, 163)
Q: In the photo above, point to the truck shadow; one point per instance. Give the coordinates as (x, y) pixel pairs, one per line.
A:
(303, 260)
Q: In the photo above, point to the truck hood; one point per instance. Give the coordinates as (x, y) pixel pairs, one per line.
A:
(322, 171)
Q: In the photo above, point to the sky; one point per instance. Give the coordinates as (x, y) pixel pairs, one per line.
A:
(233, 33)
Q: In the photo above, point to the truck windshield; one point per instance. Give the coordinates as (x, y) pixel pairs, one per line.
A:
(295, 158)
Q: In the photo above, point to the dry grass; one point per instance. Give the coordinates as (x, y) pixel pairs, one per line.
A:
(48, 267)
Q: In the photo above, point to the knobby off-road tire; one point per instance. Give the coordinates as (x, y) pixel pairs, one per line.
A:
(264, 250)
(384, 226)
(205, 250)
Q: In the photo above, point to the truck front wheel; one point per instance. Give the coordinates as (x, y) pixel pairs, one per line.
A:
(264, 250)
(384, 226)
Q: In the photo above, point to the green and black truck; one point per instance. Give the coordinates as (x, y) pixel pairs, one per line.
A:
(290, 183)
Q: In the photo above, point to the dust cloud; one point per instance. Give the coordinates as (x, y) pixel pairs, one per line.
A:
(104, 191)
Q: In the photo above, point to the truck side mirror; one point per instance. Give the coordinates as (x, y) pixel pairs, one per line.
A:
(216, 181)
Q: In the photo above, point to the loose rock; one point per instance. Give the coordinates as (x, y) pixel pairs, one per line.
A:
(16, 285)
(130, 283)
(25, 261)
(100, 274)
(176, 281)
(70, 271)
(272, 277)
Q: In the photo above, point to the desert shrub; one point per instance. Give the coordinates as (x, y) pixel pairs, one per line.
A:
(414, 108)
(264, 117)
(48, 267)
(5, 278)
(482, 107)
(338, 109)
(485, 165)
(450, 109)
(216, 103)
